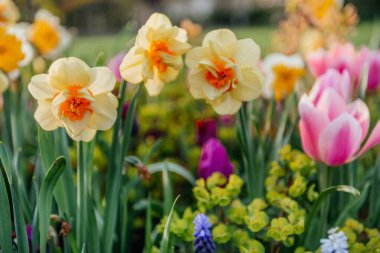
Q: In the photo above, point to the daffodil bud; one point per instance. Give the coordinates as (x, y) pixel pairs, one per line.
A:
(221, 233)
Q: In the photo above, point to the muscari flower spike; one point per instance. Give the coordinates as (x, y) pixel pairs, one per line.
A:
(203, 242)
(335, 243)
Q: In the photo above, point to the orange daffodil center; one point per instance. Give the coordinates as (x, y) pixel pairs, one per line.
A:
(44, 36)
(10, 51)
(283, 73)
(75, 106)
(156, 57)
(224, 72)
(220, 77)
(75, 97)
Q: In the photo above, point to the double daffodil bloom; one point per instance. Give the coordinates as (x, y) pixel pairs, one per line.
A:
(75, 97)
(9, 13)
(224, 72)
(15, 51)
(156, 57)
(47, 35)
(282, 74)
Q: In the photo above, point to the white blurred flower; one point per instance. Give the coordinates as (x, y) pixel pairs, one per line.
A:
(9, 12)
(47, 35)
(336, 242)
(282, 75)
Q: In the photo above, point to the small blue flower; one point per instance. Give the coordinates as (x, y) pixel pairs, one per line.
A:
(203, 242)
(335, 243)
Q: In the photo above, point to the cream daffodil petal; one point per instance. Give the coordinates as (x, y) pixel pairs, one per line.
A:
(45, 117)
(40, 87)
(182, 35)
(66, 72)
(154, 86)
(248, 54)
(222, 36)
(76, 127)
(251, 86)
(157, 19)
(87, 135)
(193, 56)
(104, 113)
(4, 82)
(131, 67)
(226, 104)
(102, 80)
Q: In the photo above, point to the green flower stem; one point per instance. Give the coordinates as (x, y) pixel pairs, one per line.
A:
(252, 173)
(81, 196)
(325, 181)
(117, 164)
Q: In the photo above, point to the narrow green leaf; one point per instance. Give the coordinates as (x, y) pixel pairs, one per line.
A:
(317, 204)
(152, 150)
(5, 159)
(22, 238)
(374, 204)
(148, 228)
(353, 206)
(92, 229)
(172, 167)
(166, 235)
(46, 198)
(5, 217)
(168, 190)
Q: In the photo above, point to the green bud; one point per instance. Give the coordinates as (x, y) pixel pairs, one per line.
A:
(372, 232)
(221, 234)
(256, 221)
(300, 250)
(201, 183)
(288, 205)
(277, 170)
(237, 212)
(354, 225)
(214, 219)
(358, 248)
(271, 182)
(312, 194)
(240, 237)
(257, 205)
(274, 197)
(286, 231)
(289, 242)
(351, 236)
(234, 185)
(298, 187)
(285, 153)
(216, 179)
(220, 196)
(299, 227)
(203, 197)
(373, 245)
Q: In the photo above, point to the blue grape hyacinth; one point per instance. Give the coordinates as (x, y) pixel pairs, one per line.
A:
(203, 242)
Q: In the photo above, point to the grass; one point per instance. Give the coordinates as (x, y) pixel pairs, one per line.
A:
(86, 47)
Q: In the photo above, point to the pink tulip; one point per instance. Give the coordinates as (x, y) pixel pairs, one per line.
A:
(332, 131)
(372, 58)
(114, 65)
(340, 57)
(341, 82)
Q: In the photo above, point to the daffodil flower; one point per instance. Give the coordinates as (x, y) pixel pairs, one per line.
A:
(156, 57)
(47, 35)
(282, 73)
(9, 13)
(75, 97)
(224, 72)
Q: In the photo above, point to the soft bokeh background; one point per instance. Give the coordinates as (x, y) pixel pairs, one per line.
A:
(109, 25)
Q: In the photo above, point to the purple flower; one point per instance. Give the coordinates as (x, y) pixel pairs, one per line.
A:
(114, 65)
(203, 242)
(205, 129)
(214, 158)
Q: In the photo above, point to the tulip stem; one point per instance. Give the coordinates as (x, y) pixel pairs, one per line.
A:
(325, 181)
(82, 196)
